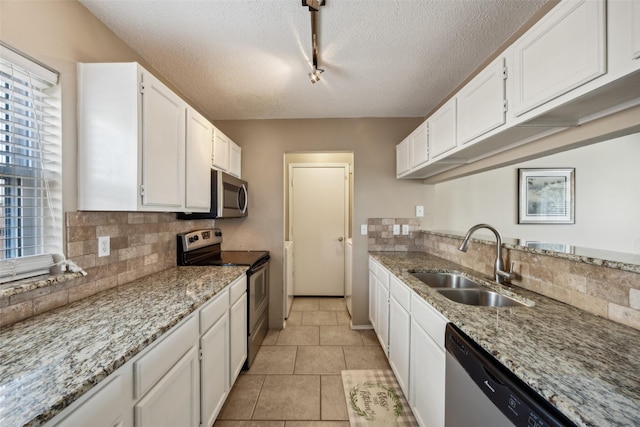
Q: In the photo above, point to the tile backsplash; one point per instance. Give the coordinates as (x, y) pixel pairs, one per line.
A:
(141, 244)
(607, 292)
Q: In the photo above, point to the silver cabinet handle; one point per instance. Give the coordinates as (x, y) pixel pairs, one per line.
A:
(340, 239)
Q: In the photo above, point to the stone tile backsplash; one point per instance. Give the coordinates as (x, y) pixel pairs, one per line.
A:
(607, 292)
(141, 244)
(381, 237)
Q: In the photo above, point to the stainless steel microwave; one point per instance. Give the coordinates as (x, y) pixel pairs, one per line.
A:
(229, 198)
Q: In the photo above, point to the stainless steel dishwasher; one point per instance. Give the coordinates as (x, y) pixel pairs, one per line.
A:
(480, 391)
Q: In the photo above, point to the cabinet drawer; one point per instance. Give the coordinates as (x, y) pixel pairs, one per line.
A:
(161, 357)
(237, 288)
(102, 409)
(400, 292)
(213, 310)
(428, 318)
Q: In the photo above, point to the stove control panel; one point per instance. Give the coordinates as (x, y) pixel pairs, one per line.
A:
(200, 238)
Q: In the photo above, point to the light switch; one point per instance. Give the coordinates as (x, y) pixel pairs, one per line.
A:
(419, 211)
(363, 229)
(405, 229)
(396, 229)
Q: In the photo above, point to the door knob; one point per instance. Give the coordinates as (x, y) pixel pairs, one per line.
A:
(340, 239)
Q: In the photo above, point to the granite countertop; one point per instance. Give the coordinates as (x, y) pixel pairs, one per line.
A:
(50, 360)
(586, 366)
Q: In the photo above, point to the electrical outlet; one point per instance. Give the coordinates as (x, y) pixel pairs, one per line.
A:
(363, 229)
(405, 229)
(104, 246)
(419, 211)
(396, 229)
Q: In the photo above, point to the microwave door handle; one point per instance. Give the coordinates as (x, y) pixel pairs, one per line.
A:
(243, 190)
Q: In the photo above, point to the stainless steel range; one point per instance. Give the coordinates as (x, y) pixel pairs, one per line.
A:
(203, 247)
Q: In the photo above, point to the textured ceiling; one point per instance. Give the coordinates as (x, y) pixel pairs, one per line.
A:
(249, 59)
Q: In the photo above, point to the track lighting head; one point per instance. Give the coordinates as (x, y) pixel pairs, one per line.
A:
(314, 75)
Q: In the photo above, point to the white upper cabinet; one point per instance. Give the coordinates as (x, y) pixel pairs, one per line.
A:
(132, 143)
(563, 51)
(226, 154)
(635, 30)
(402, 157)
(623, 36)
(419, 142)
(198, 167)
(481, 103)
(442, 129)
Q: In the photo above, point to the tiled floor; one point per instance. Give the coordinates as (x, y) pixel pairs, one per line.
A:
(295, 379)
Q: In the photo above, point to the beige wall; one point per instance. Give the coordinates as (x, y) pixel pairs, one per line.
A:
(607, 202)
(376, 191)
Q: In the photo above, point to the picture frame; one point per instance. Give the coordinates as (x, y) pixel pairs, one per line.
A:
(546, 196)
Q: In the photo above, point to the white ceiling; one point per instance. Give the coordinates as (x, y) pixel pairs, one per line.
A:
(249, 59)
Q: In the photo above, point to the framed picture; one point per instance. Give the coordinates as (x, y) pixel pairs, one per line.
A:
(546, 196)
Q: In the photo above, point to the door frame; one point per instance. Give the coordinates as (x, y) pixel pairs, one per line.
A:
(347, 205)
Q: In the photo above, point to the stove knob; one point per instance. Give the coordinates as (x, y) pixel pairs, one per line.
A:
(196, 238)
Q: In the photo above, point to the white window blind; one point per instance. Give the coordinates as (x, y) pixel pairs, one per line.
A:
(30, 167)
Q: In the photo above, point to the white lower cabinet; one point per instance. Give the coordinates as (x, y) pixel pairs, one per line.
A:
(214, 348)
(104, 408)
(399, 331)
(427, 363)
(373, 286)
(415, 334)
(174, 400)
(238, 329)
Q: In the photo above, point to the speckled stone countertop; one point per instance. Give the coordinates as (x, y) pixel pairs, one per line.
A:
(586, 366)
(50, 360)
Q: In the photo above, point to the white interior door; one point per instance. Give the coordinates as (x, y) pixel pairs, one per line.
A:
(318, 215)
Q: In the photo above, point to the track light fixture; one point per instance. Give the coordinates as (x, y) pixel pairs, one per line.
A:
(314, 7)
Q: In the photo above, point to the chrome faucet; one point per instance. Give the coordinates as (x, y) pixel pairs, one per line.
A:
(498, 268)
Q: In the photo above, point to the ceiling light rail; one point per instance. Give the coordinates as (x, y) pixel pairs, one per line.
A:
(314, 7)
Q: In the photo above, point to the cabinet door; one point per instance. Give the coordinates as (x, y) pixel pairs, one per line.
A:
(427, 379)
(373, 306)
(198, 165)
(220, 151)
(163, 145)
(174, 400)
(238, 336)
(382, 317)
(561, 52)
(635, 22)
(419, 146)
(481, 103)
(399, 343)
(402, 157)
(442, 129)
(214, 346)
(235, 160)
(105, 408)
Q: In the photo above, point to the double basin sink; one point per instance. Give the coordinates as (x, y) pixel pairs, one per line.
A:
(465, 291)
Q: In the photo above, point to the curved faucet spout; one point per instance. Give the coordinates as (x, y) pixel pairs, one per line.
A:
(498, 270)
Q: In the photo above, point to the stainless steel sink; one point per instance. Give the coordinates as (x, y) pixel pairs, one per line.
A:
(481, 297)
(445, 280)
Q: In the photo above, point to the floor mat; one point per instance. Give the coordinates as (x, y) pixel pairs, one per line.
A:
(375, 398)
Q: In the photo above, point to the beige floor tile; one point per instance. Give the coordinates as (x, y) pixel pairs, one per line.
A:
(343, 318)
(369, 337)
(304, 304)
(333, 405)
(333, 304)
(365, 357)
(319, 318)
(289, 397)
(317, 424)
(271, 338)
(274, 360)
(295, 318)
(242, 399)
(319, 360)
(249, 424)
(339, 335)
(299, 335)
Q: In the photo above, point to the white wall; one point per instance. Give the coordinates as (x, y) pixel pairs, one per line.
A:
(607, 213)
